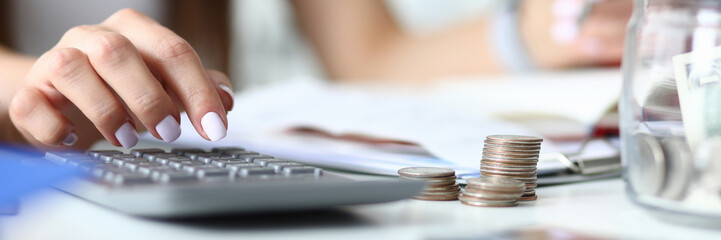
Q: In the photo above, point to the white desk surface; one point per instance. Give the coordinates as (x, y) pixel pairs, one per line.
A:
(599, 208)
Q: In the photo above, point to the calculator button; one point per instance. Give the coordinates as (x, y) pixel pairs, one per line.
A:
(148, 169)
(153, 156)
(195, 156)
(180, 164)
(141, 152)
(194, 168)
(223, 150)
(183, 151)
(236, 167)
(250, 158)
(301, 170)
(167, 160)
(256, 171)
(122, 161)
(172, 177)
(133, 166)
(209, 159)
(239, 154)
(110, 158)
(97, 153)
(212, 172)
(222, 163)
(280, 165)
(155, 173)
(265, 162)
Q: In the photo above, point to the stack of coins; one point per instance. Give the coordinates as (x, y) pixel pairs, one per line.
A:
(512, 156)
(440, 182)
(492, 192)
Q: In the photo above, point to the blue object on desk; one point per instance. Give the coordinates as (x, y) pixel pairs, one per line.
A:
(18, 178)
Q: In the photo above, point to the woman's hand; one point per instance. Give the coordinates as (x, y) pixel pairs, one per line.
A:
(555, 38)
(127, 72)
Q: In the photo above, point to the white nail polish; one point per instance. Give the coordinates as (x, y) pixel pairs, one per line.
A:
(226, 89)
(71, 139)
(213, 126)
(168, 129)
(567, 9)
(564, 32)
(126, 135)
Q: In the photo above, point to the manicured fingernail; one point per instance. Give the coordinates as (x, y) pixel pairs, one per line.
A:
(567, 9)
(126, 135)
(213, 126)
(564, 31)
(227, 90)
(71, 139)
(168, 129)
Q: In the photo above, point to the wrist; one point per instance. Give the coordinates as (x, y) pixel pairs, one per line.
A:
(535, 21)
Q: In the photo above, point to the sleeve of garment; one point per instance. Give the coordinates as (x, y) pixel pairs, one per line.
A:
(506, 38)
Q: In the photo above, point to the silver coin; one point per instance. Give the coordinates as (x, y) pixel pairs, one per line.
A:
(437, 193)
(510, 146)
(499, 196)
(647, 171)
(509, 168)
(524, 180)
(426, 172)
(515, 138)
(466, 198)
(531, 168)
(510, 153)
(679, 167)
(528, 198)
(510, 159)
(500, 163)
(431, 179)
(435, 183)
(495, 190)
(480, 204)
(494, 182)
(442, 188)
(485, 171)
(436, 198)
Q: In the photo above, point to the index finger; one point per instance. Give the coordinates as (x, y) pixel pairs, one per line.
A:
(178, 66)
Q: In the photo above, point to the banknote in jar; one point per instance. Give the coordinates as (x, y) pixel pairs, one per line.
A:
(698, 80)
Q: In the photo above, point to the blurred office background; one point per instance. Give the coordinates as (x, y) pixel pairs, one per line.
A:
(265, 43)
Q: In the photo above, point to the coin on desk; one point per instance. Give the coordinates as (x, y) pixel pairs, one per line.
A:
(441, 183)
(426, 172)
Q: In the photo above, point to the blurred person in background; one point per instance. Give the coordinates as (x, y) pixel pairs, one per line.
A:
(69, 84)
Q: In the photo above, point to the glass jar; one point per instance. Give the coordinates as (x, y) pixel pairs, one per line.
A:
(671, 110)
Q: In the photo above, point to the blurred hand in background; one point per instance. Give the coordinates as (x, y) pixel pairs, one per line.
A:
(360, 40)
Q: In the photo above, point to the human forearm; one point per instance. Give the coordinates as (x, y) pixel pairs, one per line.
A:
(360, 40)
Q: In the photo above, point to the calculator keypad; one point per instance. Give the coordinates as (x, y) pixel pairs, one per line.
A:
(181, 165)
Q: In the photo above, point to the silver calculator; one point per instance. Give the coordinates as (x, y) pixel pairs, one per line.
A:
(191, 182)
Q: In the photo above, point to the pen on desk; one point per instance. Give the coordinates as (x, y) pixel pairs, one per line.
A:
(570, 16)
(585, 12)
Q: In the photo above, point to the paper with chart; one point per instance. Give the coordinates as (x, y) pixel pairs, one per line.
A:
(449, 137)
